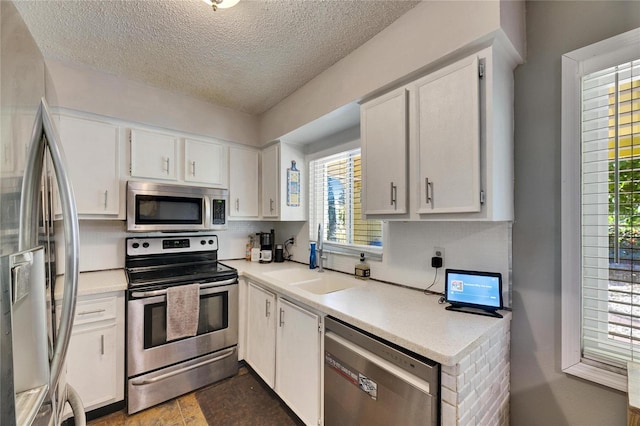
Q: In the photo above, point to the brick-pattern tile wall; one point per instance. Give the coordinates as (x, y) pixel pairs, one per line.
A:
(476, 390)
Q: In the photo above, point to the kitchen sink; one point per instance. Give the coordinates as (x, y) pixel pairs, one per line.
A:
(313, 281)
(293, 275)
(327, 284)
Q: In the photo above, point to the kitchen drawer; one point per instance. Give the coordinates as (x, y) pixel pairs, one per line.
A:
(94, 310)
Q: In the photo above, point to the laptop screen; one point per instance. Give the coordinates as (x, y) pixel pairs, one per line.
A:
(474, 289)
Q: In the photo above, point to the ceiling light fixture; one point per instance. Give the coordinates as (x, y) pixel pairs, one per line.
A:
(222, 4)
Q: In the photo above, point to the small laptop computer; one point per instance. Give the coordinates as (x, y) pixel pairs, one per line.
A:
(473, 292)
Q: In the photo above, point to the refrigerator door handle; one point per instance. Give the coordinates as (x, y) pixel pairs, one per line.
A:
(45, 136)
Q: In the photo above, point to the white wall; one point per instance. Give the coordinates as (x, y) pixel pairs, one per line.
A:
(540, 393)
(418, 39)
(81, 88)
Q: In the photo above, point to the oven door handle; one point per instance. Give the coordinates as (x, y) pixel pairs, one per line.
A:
(141, 294)
(224, 355)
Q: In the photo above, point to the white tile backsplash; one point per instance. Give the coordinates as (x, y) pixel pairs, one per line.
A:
(102, 242)
(408, 248)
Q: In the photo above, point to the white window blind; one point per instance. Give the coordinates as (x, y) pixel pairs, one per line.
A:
(610, 218)
(334, 186)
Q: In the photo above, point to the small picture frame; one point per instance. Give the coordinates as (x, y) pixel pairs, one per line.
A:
(293, 185)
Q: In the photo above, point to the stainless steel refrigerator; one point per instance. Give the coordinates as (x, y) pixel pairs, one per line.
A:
(32, 347)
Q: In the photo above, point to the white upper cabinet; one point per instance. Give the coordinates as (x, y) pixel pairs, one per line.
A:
(448, 133)
(458, 162)
(92, 150)
(384, 136)
(243, 182)
(283, 183)
(205, 162)
(270, 181)
(153, 155)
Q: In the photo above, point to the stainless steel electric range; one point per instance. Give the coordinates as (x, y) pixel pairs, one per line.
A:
(158, 369)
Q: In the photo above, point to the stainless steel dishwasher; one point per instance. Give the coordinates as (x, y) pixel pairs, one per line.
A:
(373, 382)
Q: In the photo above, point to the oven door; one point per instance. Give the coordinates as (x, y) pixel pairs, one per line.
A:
(148, 348)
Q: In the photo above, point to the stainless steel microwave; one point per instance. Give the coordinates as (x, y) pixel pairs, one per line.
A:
(175, 208)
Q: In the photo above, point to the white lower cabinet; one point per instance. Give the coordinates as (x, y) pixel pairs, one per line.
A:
(95, 357)
(284, 346)
(298, 360)
(261, 333)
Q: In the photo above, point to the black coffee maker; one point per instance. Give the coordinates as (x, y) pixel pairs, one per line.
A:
(266, 245)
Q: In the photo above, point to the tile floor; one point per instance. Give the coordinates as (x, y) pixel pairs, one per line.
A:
(181, 411)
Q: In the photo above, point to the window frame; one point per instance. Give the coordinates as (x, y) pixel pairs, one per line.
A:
(372, 252)
(576, 64)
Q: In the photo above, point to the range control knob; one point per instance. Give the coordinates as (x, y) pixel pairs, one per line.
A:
(210, 241)
(203, 242)
(145, 245)
(135, 245)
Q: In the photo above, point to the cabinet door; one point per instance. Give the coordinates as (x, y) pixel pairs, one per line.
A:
(92, 150)
(261, 332)
(91, 362)
(384, 136)
(153, 155)
(243, 182)
(299, 360)
(448, 120)
(270, 184)
(205, 162)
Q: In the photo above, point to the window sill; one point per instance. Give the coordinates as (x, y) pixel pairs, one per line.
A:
(371, 253)
(598, 375)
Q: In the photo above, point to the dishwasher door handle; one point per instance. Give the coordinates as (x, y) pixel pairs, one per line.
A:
(405, 376)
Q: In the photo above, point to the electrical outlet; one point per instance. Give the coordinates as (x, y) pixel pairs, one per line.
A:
(293, 241)
(438, 252)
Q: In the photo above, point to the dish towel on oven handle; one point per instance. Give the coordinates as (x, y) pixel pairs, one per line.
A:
(183, 310)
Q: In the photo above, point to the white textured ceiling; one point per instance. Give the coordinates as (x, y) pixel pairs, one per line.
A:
(247, 58)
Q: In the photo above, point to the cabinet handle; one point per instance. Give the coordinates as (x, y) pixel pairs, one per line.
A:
(428, 189)
(394, 193)
(106, 196)
(281, 317)
(102, 344)
(237, 204)
(95, 311)
(271, 205)
(193, 168)
(267, 306)
(167, 159)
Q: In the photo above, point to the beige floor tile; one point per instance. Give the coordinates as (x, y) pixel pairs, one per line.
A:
(191, 412)
(166, 414)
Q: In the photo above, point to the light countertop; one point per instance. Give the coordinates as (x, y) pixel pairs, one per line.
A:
(95, 282)
(404, 316)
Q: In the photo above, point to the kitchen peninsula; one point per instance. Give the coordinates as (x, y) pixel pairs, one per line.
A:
(473, 350)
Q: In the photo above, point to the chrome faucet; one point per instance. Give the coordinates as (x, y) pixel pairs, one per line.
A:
(320, 244)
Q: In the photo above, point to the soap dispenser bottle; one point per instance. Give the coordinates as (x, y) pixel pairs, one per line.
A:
(362, 271)
(312, 256)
